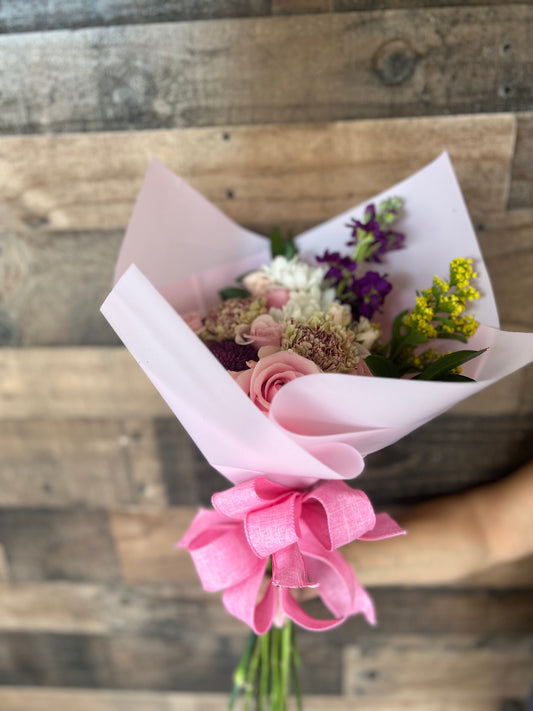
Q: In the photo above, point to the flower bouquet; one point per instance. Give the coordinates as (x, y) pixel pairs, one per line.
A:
(287, 372)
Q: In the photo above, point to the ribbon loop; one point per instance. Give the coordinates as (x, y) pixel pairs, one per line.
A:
(301, 531)
(275, 527)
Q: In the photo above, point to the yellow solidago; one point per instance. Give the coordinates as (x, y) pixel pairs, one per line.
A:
(438, 312)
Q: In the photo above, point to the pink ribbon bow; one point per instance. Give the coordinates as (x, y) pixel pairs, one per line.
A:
(301, 531)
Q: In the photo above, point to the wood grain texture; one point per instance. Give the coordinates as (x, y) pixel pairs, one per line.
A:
(258, 175)
(407, 667)
(521, 189)
(158, 640)
(250, 71)
(144, 608)
(149, 463)
(295, 7)
(75, 385)
(90, 462)
(354, 5)
(32, 16)
(22, 699)
(46, 544)
(146, 545)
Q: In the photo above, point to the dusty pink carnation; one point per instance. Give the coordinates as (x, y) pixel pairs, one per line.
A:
(257, 283)
(262, 381)
(277, 297)
(263, 331)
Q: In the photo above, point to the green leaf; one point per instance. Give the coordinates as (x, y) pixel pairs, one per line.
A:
(414, 339)
(281, 245)
(382, 367)
(456, 377)
(290, 247)
(447, 363)
(233, 292)
(396, 326)
(277, 243)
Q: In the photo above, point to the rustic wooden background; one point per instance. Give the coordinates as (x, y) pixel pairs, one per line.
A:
(280, 111)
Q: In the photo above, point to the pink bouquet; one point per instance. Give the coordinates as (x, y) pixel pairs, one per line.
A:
(288, 442)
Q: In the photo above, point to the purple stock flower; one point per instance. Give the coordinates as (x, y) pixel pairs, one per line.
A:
(369, 293)
(384, 240)
(338, 266)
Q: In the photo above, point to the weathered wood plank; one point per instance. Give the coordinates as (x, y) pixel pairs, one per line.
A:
(521, 192)
(55, 660)
(95, 463)
(354, 5)
(32, 16)
(258, 175)
(46, 544)
(164, 641)
(480, 612)
(91, 608)
(79, 383)
(150, 462)
(146, 545)
(456, 669)
(294, 7)
(22, 699)
(256, 70)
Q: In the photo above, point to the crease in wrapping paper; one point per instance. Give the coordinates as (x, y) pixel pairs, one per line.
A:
(320, 426)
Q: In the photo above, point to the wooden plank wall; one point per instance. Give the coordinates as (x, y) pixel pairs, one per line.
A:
(280, 111)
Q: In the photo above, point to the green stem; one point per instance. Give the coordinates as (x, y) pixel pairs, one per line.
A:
(263, 680)
(296, 661)
(239, 675)
(286, 654)
(267, 669)
(252, 673)
(274, 669)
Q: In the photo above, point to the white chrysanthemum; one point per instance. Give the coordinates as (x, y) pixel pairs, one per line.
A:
(294, 274)
(303, 304)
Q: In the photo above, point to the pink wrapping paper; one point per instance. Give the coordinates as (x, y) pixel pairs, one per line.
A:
(178, 252)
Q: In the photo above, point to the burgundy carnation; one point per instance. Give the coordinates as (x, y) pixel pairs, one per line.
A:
(231, 354)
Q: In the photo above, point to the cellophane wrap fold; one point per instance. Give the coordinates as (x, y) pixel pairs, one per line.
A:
(179, 250)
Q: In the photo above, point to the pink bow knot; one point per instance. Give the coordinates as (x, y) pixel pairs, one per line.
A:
(301, 531)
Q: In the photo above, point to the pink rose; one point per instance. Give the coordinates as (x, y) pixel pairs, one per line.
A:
(269, 374)
(263, 331)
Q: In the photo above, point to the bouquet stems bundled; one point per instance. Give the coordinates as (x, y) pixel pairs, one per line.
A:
(266, 671)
